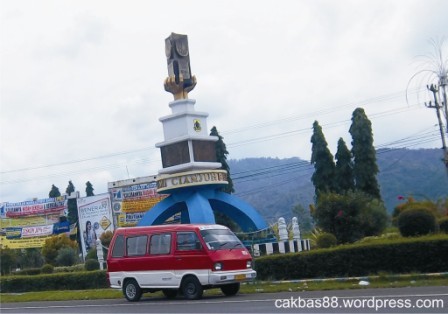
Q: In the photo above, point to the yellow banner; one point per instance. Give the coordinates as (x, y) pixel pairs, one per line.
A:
(22, 243)
(134, 206)
(26, 221)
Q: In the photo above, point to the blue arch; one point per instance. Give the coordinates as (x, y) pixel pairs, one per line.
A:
(197, 206)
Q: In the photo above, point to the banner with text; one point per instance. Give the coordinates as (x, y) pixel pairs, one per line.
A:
(131, 202)
(34, 208)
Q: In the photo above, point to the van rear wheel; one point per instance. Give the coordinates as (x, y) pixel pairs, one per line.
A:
(170, 293)
(231, 289)
(132, 290)
(192, 288)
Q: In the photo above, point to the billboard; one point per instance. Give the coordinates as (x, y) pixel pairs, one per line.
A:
(95, 217)
(38, 207)
(28, 224)
(132, 198)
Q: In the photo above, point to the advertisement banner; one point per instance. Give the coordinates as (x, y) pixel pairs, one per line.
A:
(13, 233)
(37, 231)
(35, 208)
(95, 217)
(27, 243)
(130, 201)
(28, 221)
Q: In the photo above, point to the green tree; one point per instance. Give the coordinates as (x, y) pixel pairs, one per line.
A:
(365, 167)
(8, 260)
(344, 181)
(71, 204)
(53, 245)
(221, 156)
(322, 159)
(54, 192)
(30, 258)
(89, 189)
(66, 257)
(351, 216)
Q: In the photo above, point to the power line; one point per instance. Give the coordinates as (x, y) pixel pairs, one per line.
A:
(146, 160)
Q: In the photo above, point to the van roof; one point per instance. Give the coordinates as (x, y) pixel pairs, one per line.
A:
(169, 227)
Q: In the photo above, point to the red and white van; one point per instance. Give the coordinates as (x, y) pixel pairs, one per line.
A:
(186, 258)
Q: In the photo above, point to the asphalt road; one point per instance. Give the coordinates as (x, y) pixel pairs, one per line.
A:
(394, 300)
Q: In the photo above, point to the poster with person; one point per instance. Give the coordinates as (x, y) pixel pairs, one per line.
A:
(95, 218)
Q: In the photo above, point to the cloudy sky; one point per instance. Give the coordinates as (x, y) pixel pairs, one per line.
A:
(82, 81)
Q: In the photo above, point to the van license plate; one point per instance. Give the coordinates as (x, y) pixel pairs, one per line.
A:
(240, 277)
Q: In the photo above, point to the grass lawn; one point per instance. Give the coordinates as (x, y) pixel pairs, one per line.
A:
(382, 281)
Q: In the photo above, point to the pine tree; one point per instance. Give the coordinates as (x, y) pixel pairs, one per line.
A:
(365, 167)
(89, 189)
(322, 159)
(71, 204)
(54, 192)
(70, 188)
(344, 180)
(221, 156)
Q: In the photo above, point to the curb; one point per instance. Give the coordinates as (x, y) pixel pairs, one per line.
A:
(361, 278)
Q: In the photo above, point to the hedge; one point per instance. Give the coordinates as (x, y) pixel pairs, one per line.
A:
(59, 281)
(422, 255)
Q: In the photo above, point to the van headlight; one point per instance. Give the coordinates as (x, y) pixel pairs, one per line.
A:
(249, 264)
(217, 266)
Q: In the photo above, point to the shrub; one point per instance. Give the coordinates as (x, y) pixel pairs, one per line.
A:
(51, 282)
(106, 237)
(416, 222)
(66, 257)
(8, 260)
(47, 269)
(428, 254)
(326, 240)
(443, 224)
(435, 207)
(69, 269)
(29, 271)
(92, 254)
(92, 264)
(351, 216)
(54, 244)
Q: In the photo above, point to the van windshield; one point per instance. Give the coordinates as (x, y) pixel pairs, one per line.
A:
(220, 239)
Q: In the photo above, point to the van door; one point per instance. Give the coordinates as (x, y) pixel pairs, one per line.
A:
(191, 257)
(159, 262)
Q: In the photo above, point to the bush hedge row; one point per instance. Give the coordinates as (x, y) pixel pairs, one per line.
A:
(421, 255)
(59, 281)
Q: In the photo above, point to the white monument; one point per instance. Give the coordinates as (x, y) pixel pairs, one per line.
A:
(295, 229)
(282, 230)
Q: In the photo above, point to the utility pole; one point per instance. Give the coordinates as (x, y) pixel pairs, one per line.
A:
(443, 81)
(434, 89)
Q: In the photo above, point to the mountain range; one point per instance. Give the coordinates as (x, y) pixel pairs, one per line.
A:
(274, 186)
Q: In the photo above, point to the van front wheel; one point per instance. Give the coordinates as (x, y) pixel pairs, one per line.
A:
(192, 288)
(132, 290)
(231, 289)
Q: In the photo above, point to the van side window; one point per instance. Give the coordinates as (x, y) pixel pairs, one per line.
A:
(136, 246)
(160, 244)
(118, 250)
(187, 241)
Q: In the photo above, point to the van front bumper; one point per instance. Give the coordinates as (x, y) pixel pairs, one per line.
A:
(224, 277)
